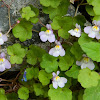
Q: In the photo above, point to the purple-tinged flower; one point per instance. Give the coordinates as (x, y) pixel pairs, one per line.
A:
(58, 81)
(3, 38)
(24, 77)
(86, 62)
(47, 35)
(57, 50)
(76, 32)
(4, 63)
(93, 31)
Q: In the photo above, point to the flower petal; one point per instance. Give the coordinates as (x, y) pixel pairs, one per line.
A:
(41, 33)
(51, 38)
(1, 41)
(78, 34)
(62, 52)
(61, 84)
(4, 37)
(55, 85)
(79, 63)
(98, 23)
(87, 29)
(78, 26)
(56, 54)
(7, 64)
(63, 79)
(2, 67)
(51, 51)
(92, 34)
(54, 74)
(44, 38)
(98, 36)
(2, 55)
(72, 32)
(48, 26)
(58, 72)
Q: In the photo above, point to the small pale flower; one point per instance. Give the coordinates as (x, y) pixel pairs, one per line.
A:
(47, 35)
(58, 81)
(76, 32)
(4, 63)
(86, 62)
(57, 50)
(24, 77)
(3, 38)
(93, 31)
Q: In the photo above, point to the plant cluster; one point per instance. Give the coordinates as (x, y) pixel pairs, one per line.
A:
(69, 68)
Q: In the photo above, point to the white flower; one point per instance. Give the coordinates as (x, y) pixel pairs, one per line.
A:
(93, 31)
(47, 35)
(3, 38)
(76, 32)
(86, 62)
(58, 81)
(57, 50)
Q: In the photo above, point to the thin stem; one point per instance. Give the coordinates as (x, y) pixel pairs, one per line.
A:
(5, 80)
(35, 30)
(5, 84)
(78, 7)
(41, 23)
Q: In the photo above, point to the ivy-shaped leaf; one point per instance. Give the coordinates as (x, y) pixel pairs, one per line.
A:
(38, 88)
(23, 30)
(27, 13)
(16, 53)
(32, 72)
(12, 96)
(88, 78)
(23, 93)
(92, 93)
(44, 77)
(35, 54)
(49, 63)
(60, 93)
(76, 51)
(65, 62)
(73, 72)
(52, 3)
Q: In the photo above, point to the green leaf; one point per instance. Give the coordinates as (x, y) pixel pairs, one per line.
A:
(2, 91)
(84, 39)
(44, 77)
(27, 13)
(32, 72)
(23, 93)
(89, 10)
(23, 30)
(88, 78)
(92, 93)
(60, 93)
(76, 51)
(35, 54)
(73, 72)
(52, 3)
(59, 11)
(34, 20)
(97, 18)
(38, 88)
(62, 33)
(17, 53)
(92, 49)
(96, 10)
(49, 63)
(12, 96)
(3, 97)
(65, 62)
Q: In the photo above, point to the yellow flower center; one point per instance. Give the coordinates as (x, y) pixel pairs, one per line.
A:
(1, 59)
(0, 34)
(76, 29)
(57, 46)
(95, 28)
(57, 77)
(86, 59)
(47, 31)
